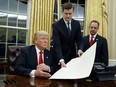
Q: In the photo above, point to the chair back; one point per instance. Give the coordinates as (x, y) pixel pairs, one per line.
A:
(12, 53)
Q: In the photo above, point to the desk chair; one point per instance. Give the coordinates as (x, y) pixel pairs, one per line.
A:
(12, 53)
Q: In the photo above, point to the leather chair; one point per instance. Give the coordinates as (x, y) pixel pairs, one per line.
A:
(12, 53)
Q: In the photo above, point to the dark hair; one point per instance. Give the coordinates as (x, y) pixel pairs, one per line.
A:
(67, 5)
(95, 21)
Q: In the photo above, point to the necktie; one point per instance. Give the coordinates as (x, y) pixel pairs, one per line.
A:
(68, 29)
(91, 40)
(40, 57)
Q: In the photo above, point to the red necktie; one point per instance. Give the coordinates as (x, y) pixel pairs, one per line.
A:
(91, 41)
(40, 57)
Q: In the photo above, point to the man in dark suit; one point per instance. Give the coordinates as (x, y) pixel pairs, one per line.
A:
(36, 60)
(102, 48)
(66, 35)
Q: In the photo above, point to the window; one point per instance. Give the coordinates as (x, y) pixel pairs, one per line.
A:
(13, 25)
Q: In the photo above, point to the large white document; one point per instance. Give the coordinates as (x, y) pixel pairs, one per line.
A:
(79, 67)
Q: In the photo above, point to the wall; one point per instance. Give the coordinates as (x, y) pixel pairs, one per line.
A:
(112, 29)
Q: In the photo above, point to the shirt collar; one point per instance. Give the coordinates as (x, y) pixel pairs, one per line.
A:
(37, 50)
(66, 21)
(93, 35)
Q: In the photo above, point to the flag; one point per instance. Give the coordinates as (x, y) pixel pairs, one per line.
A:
(105, 18)
(55, 11)
(55, 18)
(104, 9)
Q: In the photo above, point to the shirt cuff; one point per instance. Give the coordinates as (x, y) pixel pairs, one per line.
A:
(61, 60)
(32, 74)
(49, 70)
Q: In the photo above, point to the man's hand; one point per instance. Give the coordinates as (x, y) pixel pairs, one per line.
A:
(43, 67)
(39, 73)
(62, 63)
(42, 71)
(79, 53)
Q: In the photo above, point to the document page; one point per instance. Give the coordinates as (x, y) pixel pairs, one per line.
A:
(79, 67)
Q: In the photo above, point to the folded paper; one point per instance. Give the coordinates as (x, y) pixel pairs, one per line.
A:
(79, 67)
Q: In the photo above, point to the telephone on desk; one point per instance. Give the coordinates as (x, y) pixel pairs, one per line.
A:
(103, 73)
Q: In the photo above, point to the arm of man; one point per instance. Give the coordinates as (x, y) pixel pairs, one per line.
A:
(79, 40)
(105, 52)
(57, 46)
(21, 62)
(42, 71)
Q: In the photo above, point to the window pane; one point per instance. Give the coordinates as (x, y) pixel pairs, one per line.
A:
(2, 42)
(13, 5)
(4, 5)
(2, 50)
(3, 18)
(75, 11)
(80, 11)
(12, 19)
(2, 34)
(22, 21)
(81, 23)
(13, 13)
(12, 37)
(22, 36)
(22, 8)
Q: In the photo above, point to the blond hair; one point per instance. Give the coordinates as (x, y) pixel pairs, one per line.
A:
(38, 34)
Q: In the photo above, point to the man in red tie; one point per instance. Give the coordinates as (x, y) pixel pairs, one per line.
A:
(102, 47)
(36, 60)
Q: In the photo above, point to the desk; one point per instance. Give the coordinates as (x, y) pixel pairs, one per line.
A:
(21, 81)
(3, 67)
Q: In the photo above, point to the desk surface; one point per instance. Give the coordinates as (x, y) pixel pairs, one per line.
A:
(21, 81)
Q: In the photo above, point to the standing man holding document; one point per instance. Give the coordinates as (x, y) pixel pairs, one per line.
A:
(102, 47)
(67, 38)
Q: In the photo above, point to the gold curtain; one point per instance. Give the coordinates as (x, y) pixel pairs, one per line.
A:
(41, 17)
(96, 10)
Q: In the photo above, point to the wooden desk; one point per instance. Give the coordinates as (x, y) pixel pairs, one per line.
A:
(3, 67)
(20, 81)
(3, 64)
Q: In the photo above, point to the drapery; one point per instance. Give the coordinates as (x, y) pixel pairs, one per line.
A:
(96, 10)
(41, 17)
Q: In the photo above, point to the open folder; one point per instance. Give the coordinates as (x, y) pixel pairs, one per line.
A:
(79, 67)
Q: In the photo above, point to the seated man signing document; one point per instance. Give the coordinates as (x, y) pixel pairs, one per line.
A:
(35, 60)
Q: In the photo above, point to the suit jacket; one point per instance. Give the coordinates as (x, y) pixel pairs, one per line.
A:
(101, 50)
(64, 45)
(27, 60)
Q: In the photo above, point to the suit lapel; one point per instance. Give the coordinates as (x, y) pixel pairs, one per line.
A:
(46, 57)
(34, 55)
(96, 38)
(64, 28)
(72, 29)
(88, 43)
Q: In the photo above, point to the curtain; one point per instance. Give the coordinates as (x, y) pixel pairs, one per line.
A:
(96, 10)
(41, 17)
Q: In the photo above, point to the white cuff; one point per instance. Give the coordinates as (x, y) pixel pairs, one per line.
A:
(61, 60)
(49, 70)
(32, 74)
